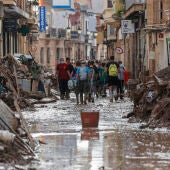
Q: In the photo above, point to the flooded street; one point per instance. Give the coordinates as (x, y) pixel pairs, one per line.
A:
(114, 145)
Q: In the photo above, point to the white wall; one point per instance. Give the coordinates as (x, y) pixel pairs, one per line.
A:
(60, 19)
(98, 6)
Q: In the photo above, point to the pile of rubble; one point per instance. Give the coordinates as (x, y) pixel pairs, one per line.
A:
(152, 101)
(22, 81)
(16, 143)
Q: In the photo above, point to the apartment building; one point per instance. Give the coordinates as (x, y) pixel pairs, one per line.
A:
(134, 50)
(64, 38)
(17, 26)
(112, 35)
(146, 49)
(157, 35)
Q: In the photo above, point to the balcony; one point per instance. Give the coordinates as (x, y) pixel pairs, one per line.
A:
(10, 2)
(15, 12)
(107, 13)
(55, 33)
(134, 8)
(15, 9)
(130, 3)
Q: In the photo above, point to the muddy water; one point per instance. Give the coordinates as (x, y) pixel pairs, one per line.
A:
(114, 145)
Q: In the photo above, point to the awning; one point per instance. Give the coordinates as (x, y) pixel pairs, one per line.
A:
(15, 11)
(136, 7)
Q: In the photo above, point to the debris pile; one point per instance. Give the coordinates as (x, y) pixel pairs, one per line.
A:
(152, 101)
(21, 76)
(21, 80)
(16, 143)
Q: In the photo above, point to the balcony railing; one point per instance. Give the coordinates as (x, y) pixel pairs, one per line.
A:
(129, 3)
(21, 4)
(55, 33)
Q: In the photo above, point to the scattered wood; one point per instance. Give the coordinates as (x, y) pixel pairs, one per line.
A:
(6, 137)
(10, 138)
(8, 116)
(152, 101)
(24, 124)
(45, 101)
(37, 96)
(13, 97)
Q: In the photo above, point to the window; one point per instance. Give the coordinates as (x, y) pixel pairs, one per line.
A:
(109, 4)
(48, 55)
(57, 53)
(42, 56)
(161, 10)
(69, 52)
(168, 50)
(111, 30)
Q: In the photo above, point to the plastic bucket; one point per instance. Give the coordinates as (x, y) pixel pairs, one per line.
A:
(89, 119)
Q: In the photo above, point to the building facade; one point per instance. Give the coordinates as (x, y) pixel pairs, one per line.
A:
(145, 50)
(157, 35)
(18, 23)
(64, 38)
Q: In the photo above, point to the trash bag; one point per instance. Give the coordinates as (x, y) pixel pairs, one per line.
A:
(70, 85)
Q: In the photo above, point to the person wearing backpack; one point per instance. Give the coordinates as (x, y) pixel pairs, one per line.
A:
(112, 69)
(82, 76)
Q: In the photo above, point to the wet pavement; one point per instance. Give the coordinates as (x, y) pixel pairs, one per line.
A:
(114, 145)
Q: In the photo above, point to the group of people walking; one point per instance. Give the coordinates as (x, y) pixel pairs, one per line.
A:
(89, 80)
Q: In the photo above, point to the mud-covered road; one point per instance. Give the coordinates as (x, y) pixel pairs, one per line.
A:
(114, 145)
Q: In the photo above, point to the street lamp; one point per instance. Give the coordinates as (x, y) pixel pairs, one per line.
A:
(35, 3)
(95, 34)
(35, 6)
(68, 29)
(88, 32)
(79, 30)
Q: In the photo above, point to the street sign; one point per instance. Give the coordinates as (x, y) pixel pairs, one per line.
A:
(42, 12)
(127, 26)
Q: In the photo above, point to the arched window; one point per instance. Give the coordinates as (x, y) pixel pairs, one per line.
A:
(48, 55)
(42, 55)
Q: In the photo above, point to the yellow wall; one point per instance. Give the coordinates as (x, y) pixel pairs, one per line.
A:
(100, 38)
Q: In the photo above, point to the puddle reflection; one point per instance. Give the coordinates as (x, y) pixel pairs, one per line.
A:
(115, 145)
(92, 149)
(137, 150)
(90, 134)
